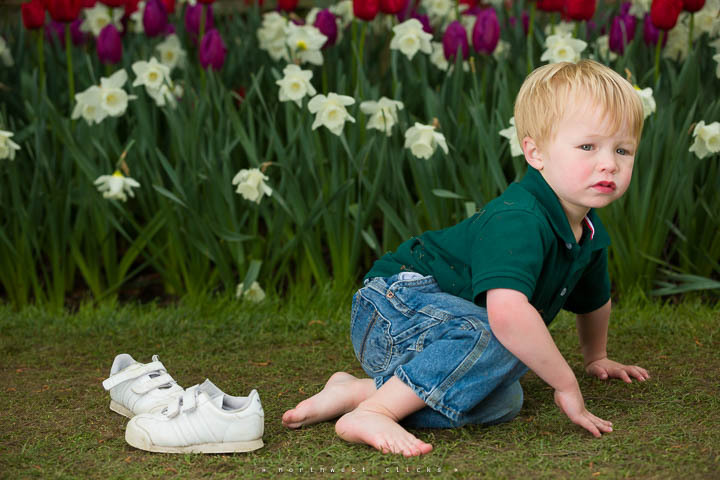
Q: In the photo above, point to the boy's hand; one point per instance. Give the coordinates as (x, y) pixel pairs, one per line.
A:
(572, 404)
(605, 368)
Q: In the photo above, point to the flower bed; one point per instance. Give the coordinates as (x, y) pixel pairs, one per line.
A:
(284, 148)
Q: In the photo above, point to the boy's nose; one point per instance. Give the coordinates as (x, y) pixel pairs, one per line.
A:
(608, 163)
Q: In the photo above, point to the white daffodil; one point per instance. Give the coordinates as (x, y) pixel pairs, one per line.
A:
(344, 11)
(7, 146)
(271, 36)
(331, 111)
(677, 45)
(409, 37)
(163, 95)
(6, 54)
(438, 9)
(511, 134)
(305, 43)
(502, 51)
(423, 140)
(254, 293)
(648, 101)
(716, 57)
(562, 48)
(383, 113)
(603, 48)
(116, 186)
(437, 56)
(152, 74)
(136, 18)
(707, 21)
(311, 16)
(88, 105)
(251, 184)
(100, 16)
(562, 28)
(171, 52)
(707, 139)
(113, 98)
(640, 7)
(295, 84)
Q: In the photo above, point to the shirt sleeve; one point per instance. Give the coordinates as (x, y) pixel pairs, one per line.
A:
(593, 289)
(508, 252)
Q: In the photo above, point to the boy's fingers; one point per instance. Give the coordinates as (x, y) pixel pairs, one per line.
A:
(625, 377)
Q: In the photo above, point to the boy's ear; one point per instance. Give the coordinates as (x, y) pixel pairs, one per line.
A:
(533, 156)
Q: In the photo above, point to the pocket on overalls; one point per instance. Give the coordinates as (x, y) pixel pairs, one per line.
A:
(370, 335)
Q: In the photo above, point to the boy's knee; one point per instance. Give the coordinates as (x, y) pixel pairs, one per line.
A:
(512, 404)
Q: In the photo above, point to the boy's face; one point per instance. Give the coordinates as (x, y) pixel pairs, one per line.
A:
(585, 164)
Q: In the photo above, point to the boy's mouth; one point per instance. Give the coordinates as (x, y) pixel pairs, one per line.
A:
(605, 187)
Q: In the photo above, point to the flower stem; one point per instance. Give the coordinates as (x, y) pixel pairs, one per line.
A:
(690, 31)
(68, 54)
(657, 56)
(531, 28)
(41, 58)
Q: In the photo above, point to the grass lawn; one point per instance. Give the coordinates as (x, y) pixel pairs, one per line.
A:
(56, 421)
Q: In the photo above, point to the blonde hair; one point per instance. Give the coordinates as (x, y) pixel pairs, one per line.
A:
(548, 92)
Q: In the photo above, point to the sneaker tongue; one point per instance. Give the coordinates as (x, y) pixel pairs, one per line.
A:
(216, 395)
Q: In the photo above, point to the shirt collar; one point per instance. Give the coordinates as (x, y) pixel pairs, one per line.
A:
(534, 183)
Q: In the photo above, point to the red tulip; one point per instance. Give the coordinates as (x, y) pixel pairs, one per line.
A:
(88, 3)
(33, 14)
(393, 6)
(131, 7)
(114, 3)
(366, 9)
(169, 5)
(206, 2)
(664, 13)
(550, 5)
(693, 5)
(287, 5)
(579, 9)
(63, 10)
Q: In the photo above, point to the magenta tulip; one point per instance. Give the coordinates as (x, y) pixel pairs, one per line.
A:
(622, 31)
(454, 38)
(109, 45)
(155, 18)
(651, 32)
(326, 23)
(212, 50)
(486, 32)
(193, 15)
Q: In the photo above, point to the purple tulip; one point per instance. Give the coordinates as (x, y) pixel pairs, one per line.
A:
(525, 21)
(651, 32)
(109, 45)
(486, 32)
(55, 32)
(326, 23)
(78, 36)
(192, 19)
(455, 37)
(622, 32)
(212, 50)
(155, 18)
(425, 20)
(625, 8)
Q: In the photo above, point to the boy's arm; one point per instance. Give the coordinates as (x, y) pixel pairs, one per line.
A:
(520, 328)
(592, 330)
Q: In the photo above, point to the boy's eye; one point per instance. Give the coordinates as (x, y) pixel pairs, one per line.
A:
(587, 147)
(622, 151)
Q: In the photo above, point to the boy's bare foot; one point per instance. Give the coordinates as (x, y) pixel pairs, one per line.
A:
(342, 393)
(380, 431)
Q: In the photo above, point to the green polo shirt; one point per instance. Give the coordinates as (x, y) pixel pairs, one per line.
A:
(521, 240)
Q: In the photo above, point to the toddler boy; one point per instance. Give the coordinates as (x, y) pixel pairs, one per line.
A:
(447, 324)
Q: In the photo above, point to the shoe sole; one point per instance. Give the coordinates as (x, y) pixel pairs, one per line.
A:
(117, 408)
(226, 447)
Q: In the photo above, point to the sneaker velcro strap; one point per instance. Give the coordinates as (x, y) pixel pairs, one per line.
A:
(144, 387)
(189, 400)
(131, 372)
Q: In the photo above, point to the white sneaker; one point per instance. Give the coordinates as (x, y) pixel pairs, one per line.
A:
(203, 420)
(140, 387)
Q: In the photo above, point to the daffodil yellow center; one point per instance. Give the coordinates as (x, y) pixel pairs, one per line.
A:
(153, 76)
(301, 45)
(117, 173)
